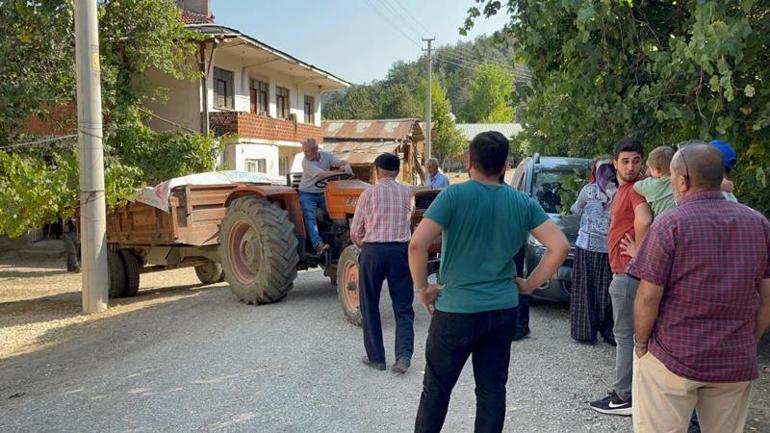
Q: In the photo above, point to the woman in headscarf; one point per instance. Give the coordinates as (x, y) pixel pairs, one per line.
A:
(590, 306)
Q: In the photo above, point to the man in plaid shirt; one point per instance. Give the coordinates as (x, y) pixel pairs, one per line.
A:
(382, 228)
(703, 303)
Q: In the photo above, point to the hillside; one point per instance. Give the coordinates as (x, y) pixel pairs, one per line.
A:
(400, 93)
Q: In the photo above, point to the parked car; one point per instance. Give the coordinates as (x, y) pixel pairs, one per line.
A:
(541, 177)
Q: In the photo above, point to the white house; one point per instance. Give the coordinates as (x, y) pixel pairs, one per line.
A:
(268, 100)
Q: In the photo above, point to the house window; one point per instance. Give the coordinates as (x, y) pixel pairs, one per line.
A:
(259, 96)
(309, 109)
(282, 102)
(223, 89)
(256, 165)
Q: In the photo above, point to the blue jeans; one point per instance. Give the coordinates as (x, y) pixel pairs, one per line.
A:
(310, 202)
(452, 339)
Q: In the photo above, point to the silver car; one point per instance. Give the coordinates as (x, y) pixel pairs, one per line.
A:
(541, 177)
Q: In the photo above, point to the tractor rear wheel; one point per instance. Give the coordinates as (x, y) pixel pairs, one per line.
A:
(210, 272)
(259, 250)
(347, 284)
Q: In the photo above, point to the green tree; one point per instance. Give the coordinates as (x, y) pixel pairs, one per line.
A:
(37, 52)
(356, 103)
(38, 184)
(447, 140)
(399, 102)
(491, 96)
(390, 97)
(661, 71)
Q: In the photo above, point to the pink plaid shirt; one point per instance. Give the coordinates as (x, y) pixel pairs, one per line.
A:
(383, 214)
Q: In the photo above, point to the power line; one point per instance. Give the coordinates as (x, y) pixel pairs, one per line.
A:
(395, 13)
(392, 24)
(409, 17)
(472, 64)
(36, 142)
(513, 68)
(469, 52)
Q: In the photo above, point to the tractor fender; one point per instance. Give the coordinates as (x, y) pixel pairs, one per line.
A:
(285, 196)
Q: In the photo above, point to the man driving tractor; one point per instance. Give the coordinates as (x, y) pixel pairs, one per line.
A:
(316, 167)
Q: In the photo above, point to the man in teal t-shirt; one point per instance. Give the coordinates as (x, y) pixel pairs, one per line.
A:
(477, 269)
(483, 225)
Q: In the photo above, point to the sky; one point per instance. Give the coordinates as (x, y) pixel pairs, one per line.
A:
(356, 40)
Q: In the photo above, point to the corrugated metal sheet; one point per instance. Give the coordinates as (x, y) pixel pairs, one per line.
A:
(471, 130)
(361, 152)
(393, 129)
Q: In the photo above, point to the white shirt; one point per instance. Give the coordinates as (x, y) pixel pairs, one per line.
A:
(312, 169)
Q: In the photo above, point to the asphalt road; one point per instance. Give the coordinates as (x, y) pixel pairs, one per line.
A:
(204, 362)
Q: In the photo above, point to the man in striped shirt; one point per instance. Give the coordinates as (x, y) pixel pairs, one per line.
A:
(382, 228)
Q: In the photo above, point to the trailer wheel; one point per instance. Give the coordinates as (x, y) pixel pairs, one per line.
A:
(209, 273)
(132, 266)
(117, 275)
(347, 284)
(259, 250)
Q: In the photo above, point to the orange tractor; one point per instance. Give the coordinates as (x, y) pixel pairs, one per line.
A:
(250, 234)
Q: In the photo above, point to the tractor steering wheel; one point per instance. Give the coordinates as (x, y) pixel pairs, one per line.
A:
(323, 182)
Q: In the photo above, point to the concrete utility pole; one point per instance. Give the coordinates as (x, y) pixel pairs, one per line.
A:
(92, 201)
(428, 106)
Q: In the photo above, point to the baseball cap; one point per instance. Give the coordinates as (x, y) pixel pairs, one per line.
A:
(729, 157)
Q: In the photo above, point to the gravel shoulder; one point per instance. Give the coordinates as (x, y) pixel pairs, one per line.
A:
(186, 357)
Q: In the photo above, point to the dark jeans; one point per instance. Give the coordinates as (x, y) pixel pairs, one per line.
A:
(522, 319)
(452, 338)
(376, 263)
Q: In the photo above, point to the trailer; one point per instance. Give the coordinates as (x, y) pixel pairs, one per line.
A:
(240, 228)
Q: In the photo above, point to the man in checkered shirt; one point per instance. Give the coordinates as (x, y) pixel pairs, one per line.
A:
(382, 228)
(703, 303)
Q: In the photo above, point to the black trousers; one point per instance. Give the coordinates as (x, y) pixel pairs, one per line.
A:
(452, 338)
(378, 262)
(522, 320)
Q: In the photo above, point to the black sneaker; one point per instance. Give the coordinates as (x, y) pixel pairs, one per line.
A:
(401, 366)
(612, 405)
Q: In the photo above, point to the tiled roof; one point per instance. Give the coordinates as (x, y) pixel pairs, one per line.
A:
(189, 17)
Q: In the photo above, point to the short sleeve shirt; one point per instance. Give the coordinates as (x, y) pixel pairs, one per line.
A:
(657, 192)
(593, 208)
(440, 180)
(621, 224)
(710, 256)
(311, 169)
(483, 227)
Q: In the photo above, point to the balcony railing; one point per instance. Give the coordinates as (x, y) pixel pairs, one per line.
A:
(250, 125)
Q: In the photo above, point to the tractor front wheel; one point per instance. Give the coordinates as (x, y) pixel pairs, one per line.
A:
(347, 284)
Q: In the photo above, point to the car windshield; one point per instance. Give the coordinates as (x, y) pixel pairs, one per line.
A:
(547, 187)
